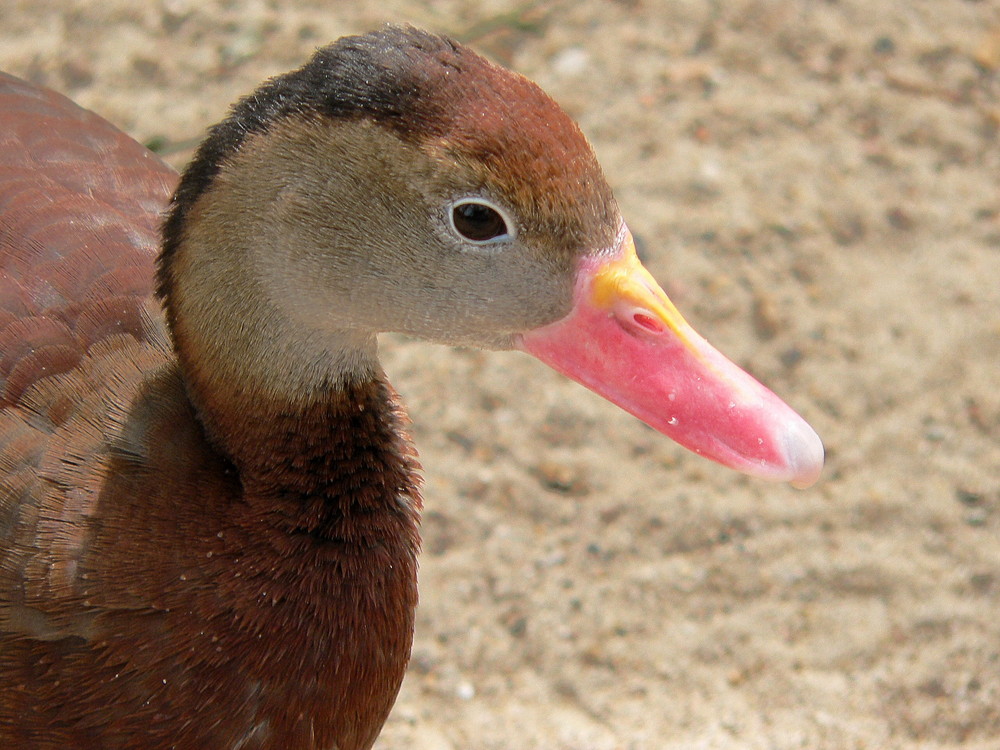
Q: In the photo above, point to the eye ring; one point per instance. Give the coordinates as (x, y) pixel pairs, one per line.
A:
(480, 221)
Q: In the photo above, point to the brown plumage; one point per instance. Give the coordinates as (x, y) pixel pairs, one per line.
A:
(208, 517)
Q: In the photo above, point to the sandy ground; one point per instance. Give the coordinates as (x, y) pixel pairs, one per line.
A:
(816, 184)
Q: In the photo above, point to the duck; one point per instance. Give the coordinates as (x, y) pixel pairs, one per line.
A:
(209, 502)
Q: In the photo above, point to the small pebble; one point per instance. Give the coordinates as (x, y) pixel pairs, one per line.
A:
(571, 62)
(465, 691)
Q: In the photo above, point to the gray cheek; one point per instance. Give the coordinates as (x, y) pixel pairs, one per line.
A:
(511, 293)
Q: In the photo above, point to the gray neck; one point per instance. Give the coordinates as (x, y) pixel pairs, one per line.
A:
(250, 310)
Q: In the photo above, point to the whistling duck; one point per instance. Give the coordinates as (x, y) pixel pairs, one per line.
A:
(208, 504)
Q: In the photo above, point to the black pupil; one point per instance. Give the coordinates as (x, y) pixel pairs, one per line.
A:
(478, 222)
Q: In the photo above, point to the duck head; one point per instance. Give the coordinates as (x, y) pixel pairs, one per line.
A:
(400, 182)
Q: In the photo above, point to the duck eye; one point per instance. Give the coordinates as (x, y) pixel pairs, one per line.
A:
(478, 222)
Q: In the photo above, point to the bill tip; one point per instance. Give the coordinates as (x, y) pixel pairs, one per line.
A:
(805, 455)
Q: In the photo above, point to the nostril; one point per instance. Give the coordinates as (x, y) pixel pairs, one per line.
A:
(648, 322)
(640, 321)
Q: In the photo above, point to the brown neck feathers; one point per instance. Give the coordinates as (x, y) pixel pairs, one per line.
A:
(329, 513)
(324, 465)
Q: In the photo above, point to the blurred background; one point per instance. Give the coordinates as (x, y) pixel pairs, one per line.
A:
(817, 185)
